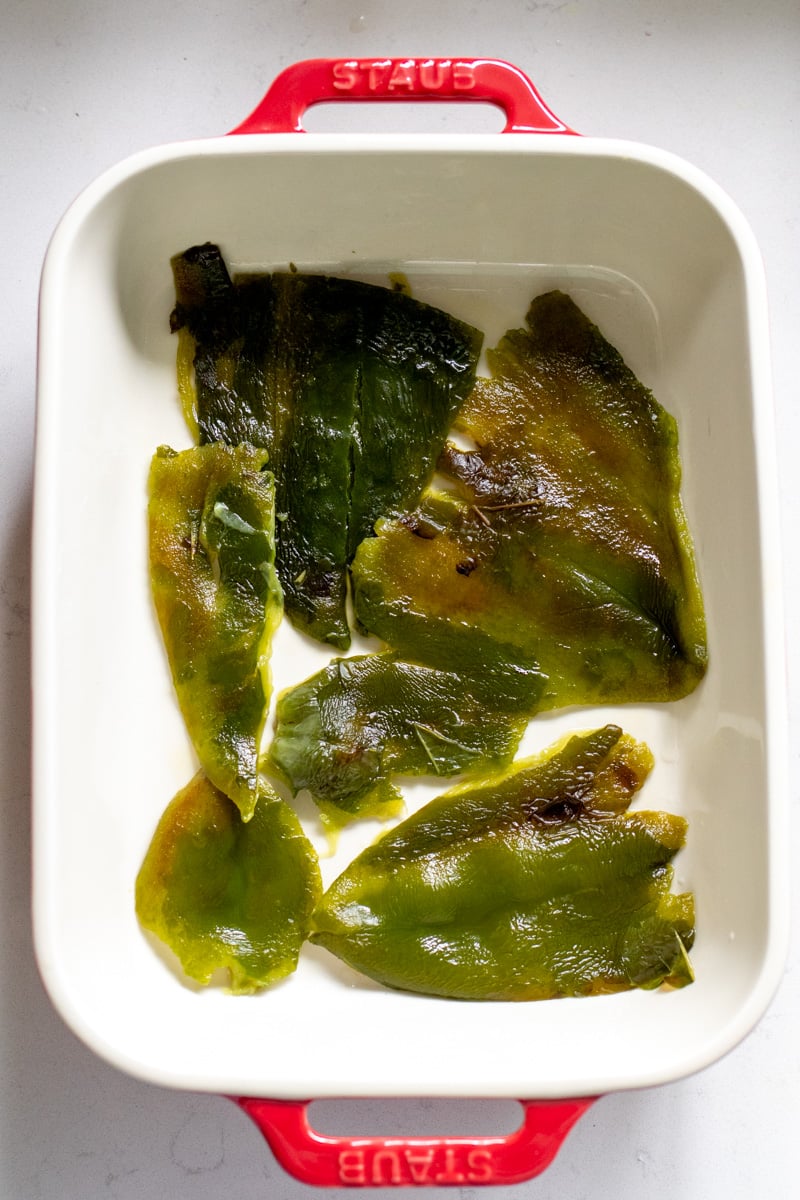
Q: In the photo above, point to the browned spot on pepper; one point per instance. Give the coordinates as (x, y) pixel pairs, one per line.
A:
(626, 776)
(417, 526)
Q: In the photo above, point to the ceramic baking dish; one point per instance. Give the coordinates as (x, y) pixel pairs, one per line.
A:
(662, 260)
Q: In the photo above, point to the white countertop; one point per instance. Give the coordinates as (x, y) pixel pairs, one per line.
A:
(84, 83)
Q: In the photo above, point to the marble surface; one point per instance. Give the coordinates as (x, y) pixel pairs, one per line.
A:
(83, 83)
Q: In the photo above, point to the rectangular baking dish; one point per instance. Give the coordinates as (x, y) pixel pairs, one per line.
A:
(660, 258)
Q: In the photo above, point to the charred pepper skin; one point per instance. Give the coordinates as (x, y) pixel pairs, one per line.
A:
(218, 601)
(532, 884)
(226, 895)
(351, 387)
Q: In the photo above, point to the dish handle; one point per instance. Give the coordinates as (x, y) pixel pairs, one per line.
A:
(326, 1161)
(320, 80)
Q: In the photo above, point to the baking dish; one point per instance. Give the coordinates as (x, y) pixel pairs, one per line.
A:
(662, 260)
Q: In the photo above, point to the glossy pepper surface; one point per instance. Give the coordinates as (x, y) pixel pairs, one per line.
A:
(561, 533)
(533, 883)
(346, 731)
(226, 895)
(350, 386)
(212, 551)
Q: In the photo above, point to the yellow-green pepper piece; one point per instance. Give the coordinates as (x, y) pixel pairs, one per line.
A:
(531, 884)
(228, 895)
(212, 554)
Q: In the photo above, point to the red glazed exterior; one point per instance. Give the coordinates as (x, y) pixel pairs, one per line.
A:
(325, 1161)
(322, 80)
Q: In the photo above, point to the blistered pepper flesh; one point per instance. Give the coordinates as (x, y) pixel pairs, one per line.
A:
(561, 532)
(534, 883)
(218, 601)
(350, 386)
(228, 895)
(346, 731)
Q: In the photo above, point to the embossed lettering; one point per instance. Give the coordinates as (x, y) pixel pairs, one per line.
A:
(402, 76)
(416, 1166)
(375, 73)
(345, 75)
(479, 1166)
(390, 1159)
(450, 1174)
(407, 75)
(419, 1164)
(432, 74)
(352, 1167)
(463, 77)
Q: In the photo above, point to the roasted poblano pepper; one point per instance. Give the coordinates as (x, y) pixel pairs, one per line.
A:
(562, 533)
(534, 883)
(228, 895)
(346, 731)
(212, 549)
(351, 388)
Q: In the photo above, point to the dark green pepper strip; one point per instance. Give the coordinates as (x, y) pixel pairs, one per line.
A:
(211, 516)
(532, 884)
(346, 731)
(225, 895)
(227, 330)
(417, 368)
(322, 332)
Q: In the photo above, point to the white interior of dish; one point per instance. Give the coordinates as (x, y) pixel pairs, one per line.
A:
(664, 264)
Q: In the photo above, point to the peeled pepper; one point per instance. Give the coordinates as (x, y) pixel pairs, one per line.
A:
(347, 730)
(533, 883)
(228, 895)
(212, 551)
